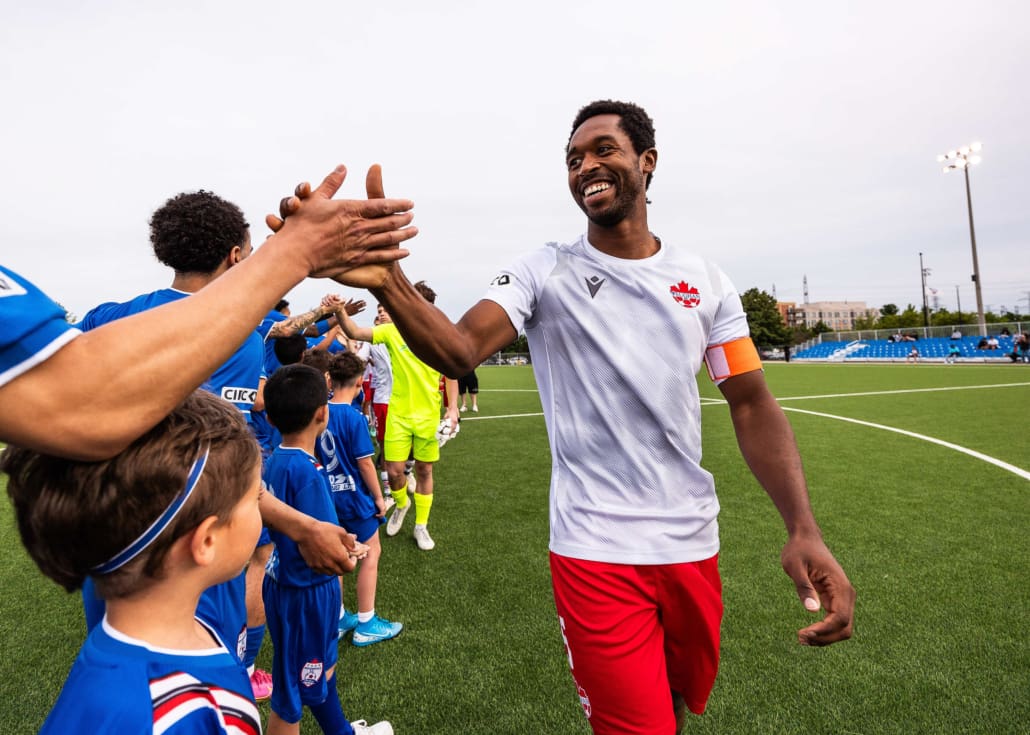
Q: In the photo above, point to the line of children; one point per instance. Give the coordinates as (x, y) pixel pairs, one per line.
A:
(300, 603)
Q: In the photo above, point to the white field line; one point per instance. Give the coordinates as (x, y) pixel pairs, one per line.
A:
(964, 450)
(900, 391)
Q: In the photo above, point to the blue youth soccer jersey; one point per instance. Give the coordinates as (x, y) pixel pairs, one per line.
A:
(34, 326)
(122, 685)
(341, 445)
(236, 380)
(297, 479)
(271, 362)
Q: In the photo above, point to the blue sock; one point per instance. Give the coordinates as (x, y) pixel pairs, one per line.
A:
(329, 713)
(254, 637)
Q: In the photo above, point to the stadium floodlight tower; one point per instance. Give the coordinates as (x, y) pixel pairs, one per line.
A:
(963, 158)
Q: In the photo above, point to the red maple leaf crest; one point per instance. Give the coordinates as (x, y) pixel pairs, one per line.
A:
(685, 294)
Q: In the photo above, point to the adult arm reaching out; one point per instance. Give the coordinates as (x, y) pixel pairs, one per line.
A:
(767, 444)
(102, 389)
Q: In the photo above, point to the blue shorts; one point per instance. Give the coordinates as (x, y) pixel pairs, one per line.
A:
(363, 528)
(304, 625)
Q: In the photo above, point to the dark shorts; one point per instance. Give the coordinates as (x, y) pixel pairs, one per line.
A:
(468, 384)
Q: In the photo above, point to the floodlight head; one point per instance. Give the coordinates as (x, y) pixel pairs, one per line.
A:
(964, 150)
(940, 158)
(975, 147)
(975, 159)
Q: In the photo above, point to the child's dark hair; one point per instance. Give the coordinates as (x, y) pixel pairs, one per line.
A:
(344, 368)
(318, 359)
(289, 350)
(427, 293)
(74, 516)
(292, 396)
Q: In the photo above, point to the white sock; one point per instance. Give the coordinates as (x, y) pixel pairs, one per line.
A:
(364, 617)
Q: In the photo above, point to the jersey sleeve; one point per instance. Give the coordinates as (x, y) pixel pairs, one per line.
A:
(516, 288)
(730, 350)
(359, 443)
(34, 326)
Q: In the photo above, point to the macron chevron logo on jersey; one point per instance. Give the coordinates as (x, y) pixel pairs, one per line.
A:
(594, 285)
(10, 287)
(685, 294)
(176, 696)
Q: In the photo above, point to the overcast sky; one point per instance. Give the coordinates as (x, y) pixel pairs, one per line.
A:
(794, 138)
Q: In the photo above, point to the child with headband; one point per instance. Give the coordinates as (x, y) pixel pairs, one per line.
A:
(173, 514)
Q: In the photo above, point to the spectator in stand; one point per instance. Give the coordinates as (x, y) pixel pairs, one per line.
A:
(1020, 348)
(957, 334)
(992, 343)
(913, 355)
(953, 352)
(982, 344)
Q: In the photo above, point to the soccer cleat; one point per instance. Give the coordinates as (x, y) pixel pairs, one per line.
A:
(361, 727)
(463, 409)
(375, 630)
(261, 684)
(393, 526)
(412, 482)
(388, 500)
(348, 622)
(475, 409)
(423, 539)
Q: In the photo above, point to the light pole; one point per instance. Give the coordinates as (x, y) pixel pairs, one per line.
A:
(923, 273)
(963, 158)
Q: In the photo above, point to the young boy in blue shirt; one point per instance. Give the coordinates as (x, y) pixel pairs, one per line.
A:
(174, 513)
(346, 451)
(301, 604)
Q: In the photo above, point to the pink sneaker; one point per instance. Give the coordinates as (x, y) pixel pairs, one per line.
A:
(261, 684)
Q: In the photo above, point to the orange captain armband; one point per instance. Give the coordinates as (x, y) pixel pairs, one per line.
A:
(732, 358)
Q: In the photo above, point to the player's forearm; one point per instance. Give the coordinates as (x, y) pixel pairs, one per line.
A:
(123, 377)
(453, 349)
(767, 444)
(296, 324)
(351, 328)
(369, 476)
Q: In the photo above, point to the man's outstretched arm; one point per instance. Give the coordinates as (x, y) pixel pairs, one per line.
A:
(103, 389)
(767, 444)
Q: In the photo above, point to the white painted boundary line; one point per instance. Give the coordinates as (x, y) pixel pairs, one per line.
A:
(971, 452)
(903, 390)
(964, 450)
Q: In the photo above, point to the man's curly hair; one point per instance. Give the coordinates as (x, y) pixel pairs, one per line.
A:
(193, 232)
(633, 121)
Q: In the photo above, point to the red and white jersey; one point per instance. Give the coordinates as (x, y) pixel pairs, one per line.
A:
(615, 346)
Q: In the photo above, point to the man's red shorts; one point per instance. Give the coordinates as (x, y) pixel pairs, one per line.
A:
(634, 633)
(380, 410)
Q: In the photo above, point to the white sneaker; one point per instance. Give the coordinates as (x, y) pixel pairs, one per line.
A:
(393, 526)
(412, 482)
(388, 500)
(380, 728)
(423, 539)
(463, 409)
(475, 409)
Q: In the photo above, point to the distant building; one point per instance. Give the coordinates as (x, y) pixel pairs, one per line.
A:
(839, 316)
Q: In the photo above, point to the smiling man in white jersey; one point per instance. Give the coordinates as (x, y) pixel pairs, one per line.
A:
(634, 566)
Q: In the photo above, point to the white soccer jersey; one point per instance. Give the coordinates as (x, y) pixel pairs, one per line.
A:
(615, 347)
(382, 374)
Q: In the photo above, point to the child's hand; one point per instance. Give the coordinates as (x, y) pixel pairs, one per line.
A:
(380, 506)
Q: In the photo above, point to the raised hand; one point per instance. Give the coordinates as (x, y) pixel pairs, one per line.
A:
(346, 235)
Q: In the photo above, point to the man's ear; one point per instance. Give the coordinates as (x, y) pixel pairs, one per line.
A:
(649, 160)
(204, 542)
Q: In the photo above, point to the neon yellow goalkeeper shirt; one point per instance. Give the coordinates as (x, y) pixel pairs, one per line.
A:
(416, 386)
